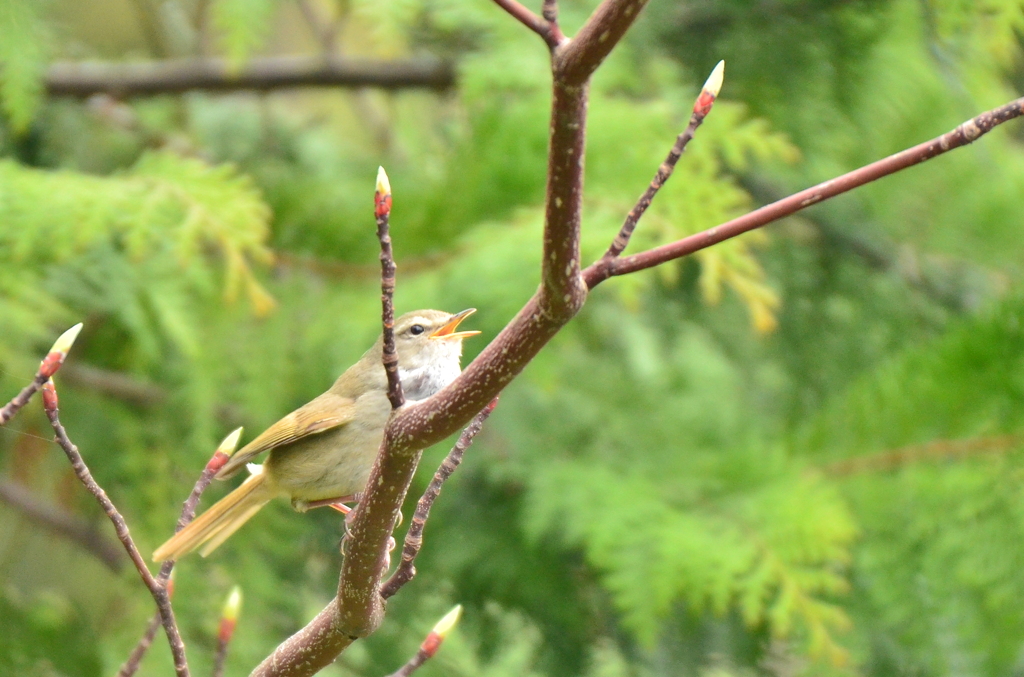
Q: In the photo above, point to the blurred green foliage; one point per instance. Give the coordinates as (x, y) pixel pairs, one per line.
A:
(794, 453)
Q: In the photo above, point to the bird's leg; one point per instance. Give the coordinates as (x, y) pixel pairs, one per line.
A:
(337, 503)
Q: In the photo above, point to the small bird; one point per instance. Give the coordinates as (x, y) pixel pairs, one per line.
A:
(322, 452)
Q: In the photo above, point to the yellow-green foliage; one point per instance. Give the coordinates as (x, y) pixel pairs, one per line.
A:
(161, 230)
(659, 493)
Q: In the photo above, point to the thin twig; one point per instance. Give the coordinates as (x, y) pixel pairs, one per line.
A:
(228, 621)
(549, 10)
(549, 32)
(960, 136)
(382, 211)
(70, 526)
(22, 398)
(701, 108)
(406, 570)
(188, 513)
(220, 657)
(47, 368)
(419, 658)
(135, 657)
(156, 589)
(431, 643)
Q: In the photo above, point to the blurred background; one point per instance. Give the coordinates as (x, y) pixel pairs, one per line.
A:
(799, 452)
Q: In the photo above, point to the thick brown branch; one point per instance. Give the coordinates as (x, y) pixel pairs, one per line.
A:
(180, 75)
(429, 422)
(577, 60)
(70, 526)
(414, 537)
(961, 136)
(562, 288)
(156, 589)
(309, 650)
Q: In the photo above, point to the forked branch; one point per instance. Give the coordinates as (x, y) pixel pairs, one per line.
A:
(960, 136)
(358, 609)
(414, 537)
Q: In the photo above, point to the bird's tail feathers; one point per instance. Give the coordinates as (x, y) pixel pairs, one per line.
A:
(215, 525)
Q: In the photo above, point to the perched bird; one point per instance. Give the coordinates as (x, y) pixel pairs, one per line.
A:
(322, 452)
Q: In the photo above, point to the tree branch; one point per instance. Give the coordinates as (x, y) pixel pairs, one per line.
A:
(156, 589)
(188, 513)
(701, 108)
(131, 665)
(358, 608)
(431, 643)
(414, 537)
(960, 136)
(47, 368)
(266, 73)
(548, 31)
(577, 61)
(56, 520)
(389, 356)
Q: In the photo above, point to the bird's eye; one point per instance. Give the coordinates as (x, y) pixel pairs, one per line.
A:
(416, 329)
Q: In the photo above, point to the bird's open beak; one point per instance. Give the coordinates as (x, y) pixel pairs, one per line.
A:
(448, 330)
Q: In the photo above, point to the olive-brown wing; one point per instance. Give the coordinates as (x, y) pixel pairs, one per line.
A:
(326, 412)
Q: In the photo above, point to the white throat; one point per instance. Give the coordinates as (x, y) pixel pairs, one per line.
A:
(431, 375)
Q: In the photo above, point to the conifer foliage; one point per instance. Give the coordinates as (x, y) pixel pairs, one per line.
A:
(797, 452)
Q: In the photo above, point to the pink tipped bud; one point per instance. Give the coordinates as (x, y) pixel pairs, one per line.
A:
(49, 396)
(170, 583)
(51, 363)
(229, 616)
(383, 184)
(436, 636)
(382, 195)
(448, 622)
(66, 340)
(710, 91)
(715, 80)
(224, 451)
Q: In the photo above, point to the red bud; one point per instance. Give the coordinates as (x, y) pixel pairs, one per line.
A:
(49, 396)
